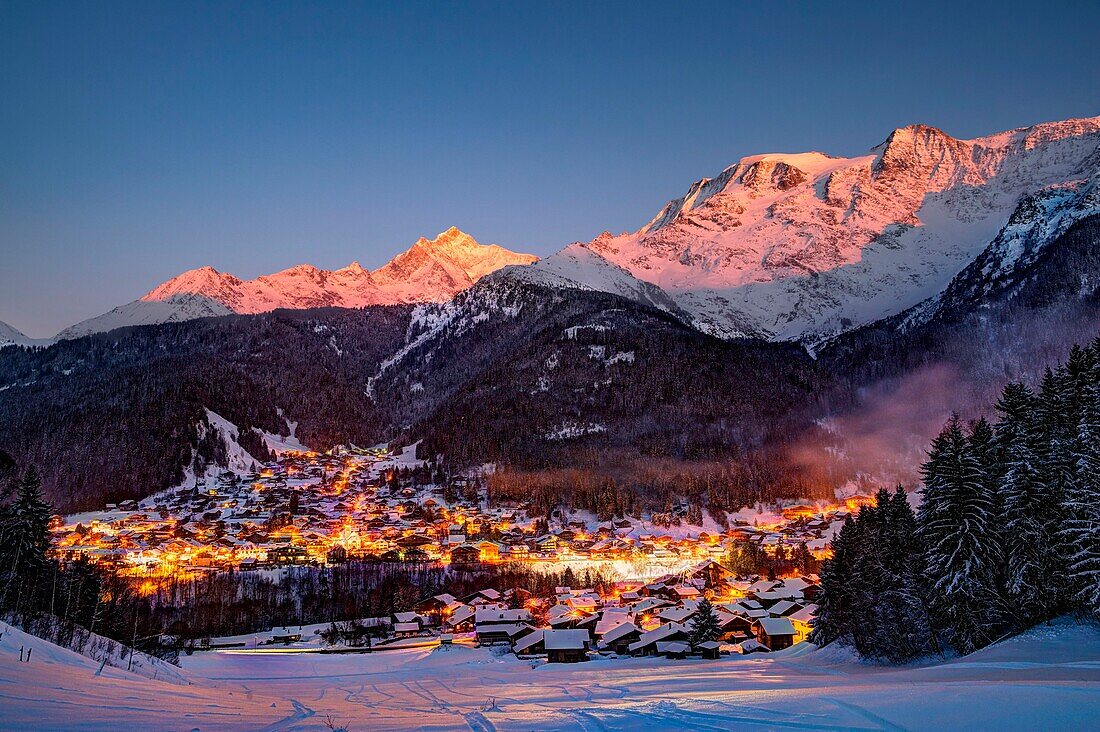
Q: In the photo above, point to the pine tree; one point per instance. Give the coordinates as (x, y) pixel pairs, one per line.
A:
(24, 541)
(1058, 433)
(1081, 527)
(1033, 567)
(704, 626)
(901, 627)
(802, 559)
(833, 621)
(959, 534)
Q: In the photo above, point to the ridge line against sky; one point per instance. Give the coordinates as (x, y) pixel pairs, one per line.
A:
(142, 139)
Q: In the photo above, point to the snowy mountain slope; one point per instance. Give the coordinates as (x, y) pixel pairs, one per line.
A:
(432, 270)
(1003, 269)
(1031, 294)
(527, 370)
(804, 246)
(11, 336)
(579, 267)
(173, 309)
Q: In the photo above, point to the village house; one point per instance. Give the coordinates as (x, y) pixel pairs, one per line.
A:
(566, 646)
(775, 633)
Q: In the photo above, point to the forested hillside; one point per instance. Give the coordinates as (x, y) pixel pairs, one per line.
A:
(527, 376)
(115, 415)
(997, 320)
(1007, 534)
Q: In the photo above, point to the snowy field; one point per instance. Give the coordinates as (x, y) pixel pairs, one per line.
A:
(1047, 679)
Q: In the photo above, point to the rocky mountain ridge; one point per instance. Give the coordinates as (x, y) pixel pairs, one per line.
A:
(432, 270)
(806, 246)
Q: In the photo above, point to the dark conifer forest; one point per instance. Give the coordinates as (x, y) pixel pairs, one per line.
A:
(1007, 534)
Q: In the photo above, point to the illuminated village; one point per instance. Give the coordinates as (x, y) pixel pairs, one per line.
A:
(322, 509)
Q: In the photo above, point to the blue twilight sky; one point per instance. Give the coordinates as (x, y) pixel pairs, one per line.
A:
(141, 139)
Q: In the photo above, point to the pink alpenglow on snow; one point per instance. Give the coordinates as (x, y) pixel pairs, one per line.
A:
(432, 270)
(805, 245)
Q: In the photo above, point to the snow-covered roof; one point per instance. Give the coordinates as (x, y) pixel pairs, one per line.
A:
(777, 626)
(528, 641)
(805, 615)
(496, 615)
(565, 640)
(660, 633)
(672, 647)
(620, 631)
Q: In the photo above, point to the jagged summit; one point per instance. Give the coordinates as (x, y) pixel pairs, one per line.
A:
(806, 245)
(778, 245)
(431, 270)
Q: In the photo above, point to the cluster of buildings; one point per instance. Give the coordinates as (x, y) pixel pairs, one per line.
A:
(635, 618)
(312, 508)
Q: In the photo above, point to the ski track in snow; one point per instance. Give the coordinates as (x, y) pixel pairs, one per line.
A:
(1049, 679)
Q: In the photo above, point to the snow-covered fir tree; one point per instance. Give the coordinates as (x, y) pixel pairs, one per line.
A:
(24, 539)
(1031, 510)
(1082, 504)
(834, 619)
(704, 626)
(959, 529)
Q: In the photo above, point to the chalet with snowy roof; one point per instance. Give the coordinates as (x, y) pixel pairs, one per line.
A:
(673, 649)
(489, 551)
(482, 597)
(530, 644)
(803, 622)
(432, 607)
(677, 614)
(784, 608)
(710, 650)
(566, 646)
(679, 593)
(619, 638)
(499, 616)
(500, 633)
(465, 554)
(646, 645)
(611, 618)
(775, 633)
(406, 630)
(713, 574)
(562, 616)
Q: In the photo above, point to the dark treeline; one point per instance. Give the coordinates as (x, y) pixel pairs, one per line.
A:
(63, 603)
(242, 602)
(1007, 535)
(634, 383)
(614, 487)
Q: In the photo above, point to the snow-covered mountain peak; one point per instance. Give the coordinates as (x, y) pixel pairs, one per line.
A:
(579, 267)
(804, 245)
(12, 336)
(199, 280)
(431, 270)
(353, 270)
